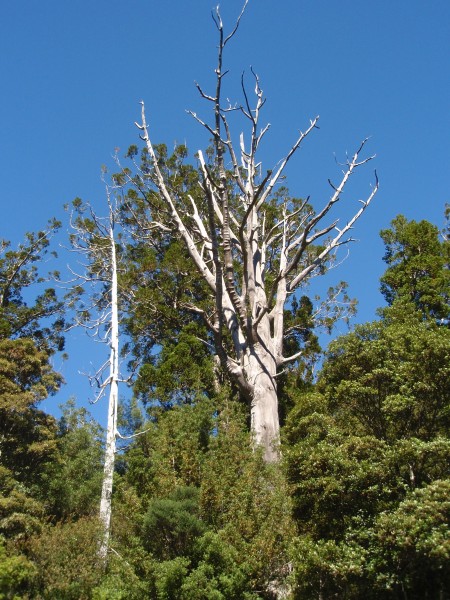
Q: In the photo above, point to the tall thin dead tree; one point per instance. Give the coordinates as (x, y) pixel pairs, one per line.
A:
(113, 382)
(251, 261)
(94, 237)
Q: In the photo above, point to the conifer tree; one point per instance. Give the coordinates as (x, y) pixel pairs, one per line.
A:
(418, 271)
(367, 448)
(31, 326)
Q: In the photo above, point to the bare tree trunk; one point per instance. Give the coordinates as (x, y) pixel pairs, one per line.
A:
(95, 238)
(111, 432)
(260, 371)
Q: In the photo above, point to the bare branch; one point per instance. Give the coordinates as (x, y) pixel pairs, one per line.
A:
(132, 436)
(213, 185)
(205, 125)
(209, 277)
(227, 39)
(303, 241)
(337, 240)
(202, 93)
(284, 360)
(284, 162)
(229, 144)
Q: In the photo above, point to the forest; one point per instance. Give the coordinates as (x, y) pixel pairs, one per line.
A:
(247, 459)
(357, 504)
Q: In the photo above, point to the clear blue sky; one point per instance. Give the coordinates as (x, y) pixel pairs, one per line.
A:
(72, 74)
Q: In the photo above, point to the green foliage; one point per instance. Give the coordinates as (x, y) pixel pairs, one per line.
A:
(73, 480)
(27, 341)
(218, 574)
(367, 449)
(207, 518)
(40, 320)
(246, 503)
(365, 526)
(183, 372)
(21, 514)
(131, 569)
(413, 542)
(120, 585)
(334, 475)
(418, 267)
(66, 558)
(328, 569)
(392, 380)
(403, 552)
(17, 575)
(172, 452)
(160, 273)
(27, 435)
(169, 578)
(172, 524)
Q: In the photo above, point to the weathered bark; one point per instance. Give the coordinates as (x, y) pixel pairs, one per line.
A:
(260, 371)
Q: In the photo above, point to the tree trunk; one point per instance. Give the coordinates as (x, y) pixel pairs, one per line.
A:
(108, 473)
(111, 433)
(260, 371)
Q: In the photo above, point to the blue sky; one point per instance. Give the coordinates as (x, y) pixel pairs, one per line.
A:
(73, 74)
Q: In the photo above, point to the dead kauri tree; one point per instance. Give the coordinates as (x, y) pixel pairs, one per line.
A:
(251, 260)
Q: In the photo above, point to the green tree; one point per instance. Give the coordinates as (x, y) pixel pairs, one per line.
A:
(17, 575)
(40, 318)
(367, 448)
(30, 331)
(412, 544)
(31, 325)
(418, 267)
(392, 380)
(73, 479)
(171, 525)
(27, 437)
(66, 558)
(197, 511)
(27, 434)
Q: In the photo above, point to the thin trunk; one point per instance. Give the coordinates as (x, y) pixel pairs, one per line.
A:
(110, 449)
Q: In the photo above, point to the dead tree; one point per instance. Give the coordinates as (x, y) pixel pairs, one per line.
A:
(232, 225)
(94, 238)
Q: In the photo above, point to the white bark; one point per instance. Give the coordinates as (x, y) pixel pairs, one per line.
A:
(111, 431)
(98, 245)
(260, 371)
(233, 227)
